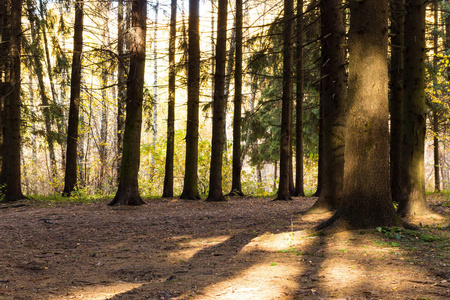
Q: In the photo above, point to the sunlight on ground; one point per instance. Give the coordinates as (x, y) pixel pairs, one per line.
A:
(98, 292)
(275, 242)
(258, 282)
(193, 246)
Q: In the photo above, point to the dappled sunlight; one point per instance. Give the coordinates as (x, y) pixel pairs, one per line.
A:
(190, 247)
(263, 281)
(277, 242)
(98, 292)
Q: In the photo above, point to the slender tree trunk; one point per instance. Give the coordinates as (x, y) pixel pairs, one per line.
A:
(215, 180)
(121, 78)
(367, 199)
(46, 105)
(236, 187)
(155, 86)
(320, 150)
(70, 181)
(190, 189)
(299, 190)
(412, 201)
(437, 182)
(12, 100)
(396, 99)
(286, 114)
(128, 191)
(168, 177)
(333, 101)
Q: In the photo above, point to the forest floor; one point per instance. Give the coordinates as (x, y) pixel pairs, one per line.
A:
(240, 249)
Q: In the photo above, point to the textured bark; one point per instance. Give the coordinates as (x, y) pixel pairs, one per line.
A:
(334, 91)
(286, 107)
(236, 187)
(70, 180)
(396, 92)
(367, 199)
(299, 189)
(12, 101)
(412, 201)
(215, 179)
(128, 191)
(168, 175)
(190, 188)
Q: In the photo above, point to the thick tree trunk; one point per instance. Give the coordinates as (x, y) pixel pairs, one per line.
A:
(299, 190)
(168, 176)
(396, 99)
(12, 101)
(236, 187)
(286, 109)
(70, 181)
(412, 201)
(333, 100)
(367, 198)
(190, 189)
(128, 191)
(215, 179)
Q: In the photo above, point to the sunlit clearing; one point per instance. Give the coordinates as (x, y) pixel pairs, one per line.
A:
(190, 247)
(98, 292)
(263, 281)
(277, 242)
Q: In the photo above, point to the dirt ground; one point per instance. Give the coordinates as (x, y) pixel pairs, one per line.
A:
(241, 249)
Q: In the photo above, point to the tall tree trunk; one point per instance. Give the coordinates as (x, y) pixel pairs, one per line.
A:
(168, 175)
(333, 101)
(12, 102)
(190, 189)
(367, 199)
(437, 182)
(215, 179)
(299, 190)
(70, 181)
(128, 191)
(320, 150)
(286, 113)
(412, 201)
(155, 86)
(38, 69)
(396, 99)
(236, 187)
(121, 78)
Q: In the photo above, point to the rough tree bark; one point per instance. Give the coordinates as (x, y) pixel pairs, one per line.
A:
(236, 187)
(286, 108)
(215, 179)
(128, 191)
(70, 180)
(334, 91)
(190, 188)
(412, 201)
(168, 175)
(367, 199)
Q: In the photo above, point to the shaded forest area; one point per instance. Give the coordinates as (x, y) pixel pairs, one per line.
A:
(250, 105)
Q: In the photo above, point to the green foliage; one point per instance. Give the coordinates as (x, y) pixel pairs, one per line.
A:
(399, 233)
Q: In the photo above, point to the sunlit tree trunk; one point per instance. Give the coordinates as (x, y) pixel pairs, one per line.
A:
(215, 180)
(367, 199)
(128, 191)
(190, 189)
(437, 182)
(70, 181)
(396, 92)
(334, 91)
(286, 114)
(236, 187)
(412, 201)
(168, 175)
